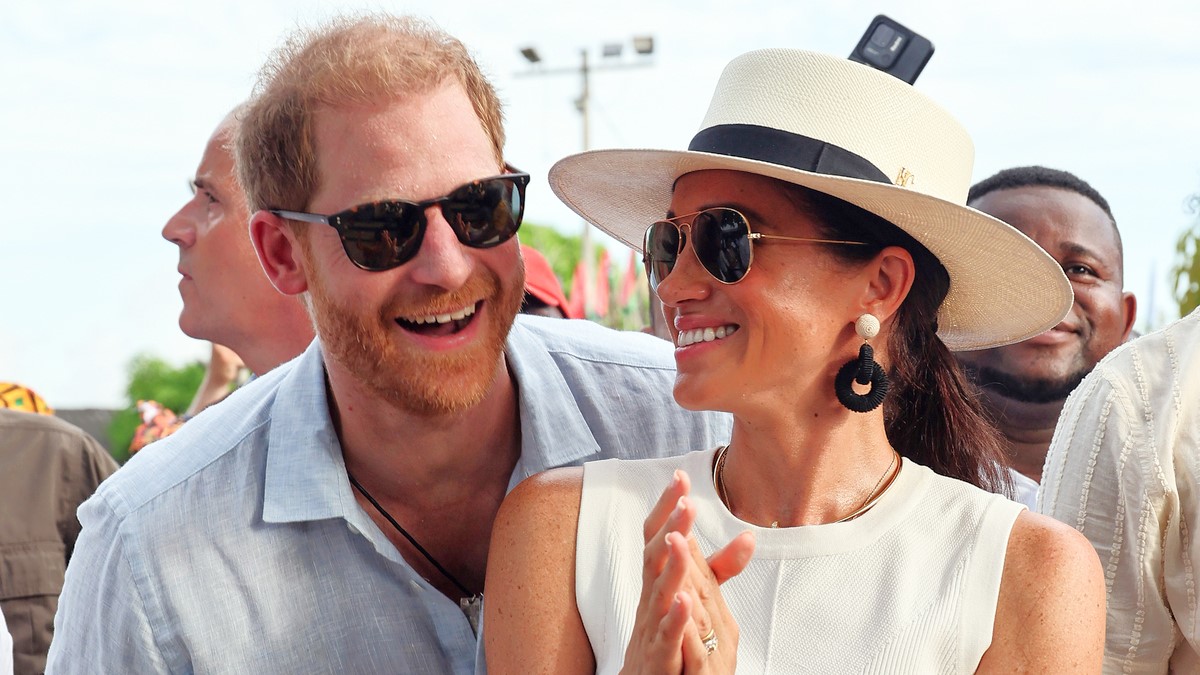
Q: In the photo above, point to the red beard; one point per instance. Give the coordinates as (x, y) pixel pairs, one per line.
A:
(418, 381)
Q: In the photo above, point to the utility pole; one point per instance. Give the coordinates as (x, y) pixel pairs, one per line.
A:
(643, 45)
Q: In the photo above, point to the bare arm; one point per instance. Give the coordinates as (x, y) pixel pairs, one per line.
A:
(219, 376)
(531, 623)
(1050, 615)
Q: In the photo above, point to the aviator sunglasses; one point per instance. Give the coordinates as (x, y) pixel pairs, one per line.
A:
(720, 239)
(381, 235)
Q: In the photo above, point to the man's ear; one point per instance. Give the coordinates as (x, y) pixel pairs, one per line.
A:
(279, 253)
(889, 278)
(1129, 309)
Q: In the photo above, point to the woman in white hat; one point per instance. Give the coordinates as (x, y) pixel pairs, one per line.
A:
(816, 264)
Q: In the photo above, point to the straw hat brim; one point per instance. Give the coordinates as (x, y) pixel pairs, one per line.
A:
(1004, 288)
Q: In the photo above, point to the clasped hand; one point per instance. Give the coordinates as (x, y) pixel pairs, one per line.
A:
(683, 624)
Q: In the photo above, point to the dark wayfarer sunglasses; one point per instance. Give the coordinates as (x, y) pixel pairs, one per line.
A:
(382, 235)
(720, 239)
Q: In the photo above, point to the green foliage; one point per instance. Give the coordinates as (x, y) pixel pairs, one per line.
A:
(151, 378)
(1185, 273)
(564, 252)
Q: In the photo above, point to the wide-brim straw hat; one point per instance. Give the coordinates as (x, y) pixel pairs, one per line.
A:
(855, 133)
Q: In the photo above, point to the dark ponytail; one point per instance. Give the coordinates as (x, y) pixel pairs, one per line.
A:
(932, 414)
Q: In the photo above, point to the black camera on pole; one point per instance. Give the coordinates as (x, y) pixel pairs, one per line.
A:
(896, 50)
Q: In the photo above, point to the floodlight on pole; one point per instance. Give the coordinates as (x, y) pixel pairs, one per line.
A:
(531, 55)
(611, 52)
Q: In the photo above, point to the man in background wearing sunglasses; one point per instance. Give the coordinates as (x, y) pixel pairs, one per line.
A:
(334, 515)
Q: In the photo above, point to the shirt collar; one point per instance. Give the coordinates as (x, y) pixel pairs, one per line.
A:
(305, 474)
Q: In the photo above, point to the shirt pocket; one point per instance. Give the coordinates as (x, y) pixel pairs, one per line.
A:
(31, 569)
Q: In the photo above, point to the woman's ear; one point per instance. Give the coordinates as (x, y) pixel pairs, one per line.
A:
(889, 278)
(279, 252)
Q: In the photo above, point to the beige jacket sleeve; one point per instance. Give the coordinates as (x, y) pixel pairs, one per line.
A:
(1122, 469)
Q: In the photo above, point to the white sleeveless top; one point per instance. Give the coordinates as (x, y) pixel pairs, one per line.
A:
(908, 587)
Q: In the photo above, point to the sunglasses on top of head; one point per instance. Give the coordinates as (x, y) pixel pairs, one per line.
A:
(381, 235)
(720, 238)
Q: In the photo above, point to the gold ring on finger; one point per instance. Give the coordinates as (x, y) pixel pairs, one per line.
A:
(710, 641)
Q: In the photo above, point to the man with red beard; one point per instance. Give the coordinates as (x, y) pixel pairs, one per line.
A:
(1025, 384)
(334, 515)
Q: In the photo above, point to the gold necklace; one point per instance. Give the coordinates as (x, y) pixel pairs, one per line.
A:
(872, 497)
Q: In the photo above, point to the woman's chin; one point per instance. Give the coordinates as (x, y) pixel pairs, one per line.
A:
(693, 394)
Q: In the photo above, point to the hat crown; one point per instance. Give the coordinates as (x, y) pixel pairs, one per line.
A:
(908, 137)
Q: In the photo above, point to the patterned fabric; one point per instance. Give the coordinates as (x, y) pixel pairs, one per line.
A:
(1124, 469)
(19, 397)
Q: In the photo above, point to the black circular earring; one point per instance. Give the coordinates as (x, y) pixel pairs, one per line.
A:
(863, 370)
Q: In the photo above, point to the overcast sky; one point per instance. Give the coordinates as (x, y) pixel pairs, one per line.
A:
(106, 107)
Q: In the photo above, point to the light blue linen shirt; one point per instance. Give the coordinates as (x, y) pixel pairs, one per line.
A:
(236, 545)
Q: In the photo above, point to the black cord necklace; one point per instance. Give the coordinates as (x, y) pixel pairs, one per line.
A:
(470, 603)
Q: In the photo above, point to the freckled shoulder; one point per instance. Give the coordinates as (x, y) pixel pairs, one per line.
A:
(544, 499)
(1050, 615)
(531, 580)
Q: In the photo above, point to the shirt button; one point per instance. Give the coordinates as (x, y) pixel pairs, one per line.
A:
(413, 582)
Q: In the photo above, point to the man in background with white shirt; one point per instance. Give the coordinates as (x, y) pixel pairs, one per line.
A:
(1025, 384)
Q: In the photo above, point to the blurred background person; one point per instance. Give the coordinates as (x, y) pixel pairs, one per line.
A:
(48, 467)
(223, 371)
(227, 298)
(543, 291)
(16, 396)
(1025, 384)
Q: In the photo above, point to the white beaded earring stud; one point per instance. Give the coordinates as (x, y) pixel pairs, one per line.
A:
(867, 326)
(863, 370)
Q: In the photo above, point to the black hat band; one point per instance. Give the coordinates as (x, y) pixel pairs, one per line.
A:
(764, 144)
